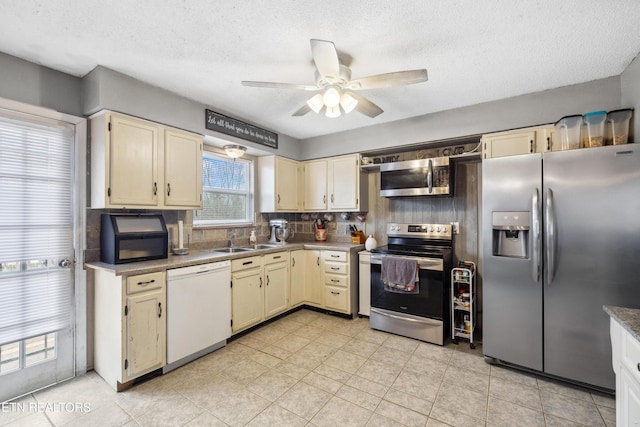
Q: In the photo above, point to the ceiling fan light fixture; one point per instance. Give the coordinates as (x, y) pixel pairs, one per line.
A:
(331, 97)
(348, 103)
(333, 112)
(234, 151)
(316, 103)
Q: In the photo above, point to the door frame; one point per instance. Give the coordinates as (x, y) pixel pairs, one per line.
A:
(79, 219)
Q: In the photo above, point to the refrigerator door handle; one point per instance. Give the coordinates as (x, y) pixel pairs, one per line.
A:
(535, 210)
(551, 237)
(430, 176)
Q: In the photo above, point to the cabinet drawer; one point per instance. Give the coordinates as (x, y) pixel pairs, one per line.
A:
(335, 267)
(335, 280)
(336, 298)
(246, 263)
(276, 257)
(631, 355)
(145, 282)
(335, 256)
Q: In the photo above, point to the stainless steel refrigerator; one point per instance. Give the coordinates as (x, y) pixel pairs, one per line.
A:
(561, 238)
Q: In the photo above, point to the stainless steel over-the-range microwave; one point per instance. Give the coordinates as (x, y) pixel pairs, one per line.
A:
(422, 177)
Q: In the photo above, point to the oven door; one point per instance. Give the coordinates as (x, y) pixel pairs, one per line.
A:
(428, 302)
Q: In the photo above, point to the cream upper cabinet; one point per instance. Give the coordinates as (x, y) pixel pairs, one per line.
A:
(136, 163)
(344, 183)
(183, 169)
(520, 141)
(315, 185)
(278, 179)
(335, 184)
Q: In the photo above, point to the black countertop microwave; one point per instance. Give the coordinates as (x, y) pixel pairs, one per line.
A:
(132, 237)
(422, 177)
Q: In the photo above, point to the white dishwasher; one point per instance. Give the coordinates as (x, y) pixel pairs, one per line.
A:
(198, 311)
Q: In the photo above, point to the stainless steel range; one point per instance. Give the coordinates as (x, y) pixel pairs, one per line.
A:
(419, 309)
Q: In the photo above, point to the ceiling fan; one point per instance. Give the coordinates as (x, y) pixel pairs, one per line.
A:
(333, 80)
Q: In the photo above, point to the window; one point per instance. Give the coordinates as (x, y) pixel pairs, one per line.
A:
(227, 191)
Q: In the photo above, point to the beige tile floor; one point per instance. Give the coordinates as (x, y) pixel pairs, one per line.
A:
(313, 369)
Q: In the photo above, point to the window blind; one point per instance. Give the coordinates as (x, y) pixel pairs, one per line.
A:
(36, 226)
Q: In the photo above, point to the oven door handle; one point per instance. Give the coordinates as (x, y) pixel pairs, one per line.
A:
(422, 264)
(406, 319)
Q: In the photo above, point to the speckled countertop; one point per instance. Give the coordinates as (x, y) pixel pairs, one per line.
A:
(629, 318)
(203, 256)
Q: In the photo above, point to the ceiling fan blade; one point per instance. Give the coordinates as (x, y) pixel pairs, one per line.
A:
(398, 78)
(302, 110)
(279, 85)
(325, 57)
(365, 106)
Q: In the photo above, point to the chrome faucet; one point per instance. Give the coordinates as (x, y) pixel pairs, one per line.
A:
(232, 238)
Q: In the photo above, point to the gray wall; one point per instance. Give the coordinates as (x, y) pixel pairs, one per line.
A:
(630, 86)
(36, 85)
(108, 89)
(510, 113)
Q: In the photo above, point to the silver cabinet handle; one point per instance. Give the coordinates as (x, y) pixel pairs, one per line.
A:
(335, 293)
(551, 237)
(535, 245)
(318, 261)
(168, 189)
(159, 309)
(335, 268)
(146, 283)
(293, 262)
(267, 280)
(261, 282)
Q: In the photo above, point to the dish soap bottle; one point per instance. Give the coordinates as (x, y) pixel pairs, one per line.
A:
(370, 243)
(252, 238)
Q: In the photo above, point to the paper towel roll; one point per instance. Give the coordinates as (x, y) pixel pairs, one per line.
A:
(180, 235)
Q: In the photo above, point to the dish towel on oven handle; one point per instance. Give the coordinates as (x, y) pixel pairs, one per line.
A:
(400, 275)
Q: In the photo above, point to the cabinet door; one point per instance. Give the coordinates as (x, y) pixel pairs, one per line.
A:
(246, 298)
(286, 184)
(297, 281)
(364, 285)
(183, 169)
(314, 282)
(133, 162)
(146, 331)
(336, 298)
(627, 400)
(315, 185)
(344, 177)
(276, 290)
(508, 144)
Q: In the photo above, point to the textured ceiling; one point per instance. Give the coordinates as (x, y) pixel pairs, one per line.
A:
(474, 51)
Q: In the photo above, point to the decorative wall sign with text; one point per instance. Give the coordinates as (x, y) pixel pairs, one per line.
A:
(229, 126)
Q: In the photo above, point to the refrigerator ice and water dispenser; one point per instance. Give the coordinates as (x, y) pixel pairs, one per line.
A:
(511, 234)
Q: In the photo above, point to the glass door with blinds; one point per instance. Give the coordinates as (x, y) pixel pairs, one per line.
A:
(36, 253)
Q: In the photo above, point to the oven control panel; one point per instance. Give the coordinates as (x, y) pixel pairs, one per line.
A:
(430, 231)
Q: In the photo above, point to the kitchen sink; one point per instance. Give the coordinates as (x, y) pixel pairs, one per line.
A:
(267, 246)
(232, 250)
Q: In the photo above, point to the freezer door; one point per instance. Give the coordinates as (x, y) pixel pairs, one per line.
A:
(512, 284)
(594, 225)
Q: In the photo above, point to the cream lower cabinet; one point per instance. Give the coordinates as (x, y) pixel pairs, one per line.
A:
(297, 277)
(130, 326)
(247, 294)
(313, 292)
(259, 289)
(626, 364)
(276, 286)
(336, 281)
